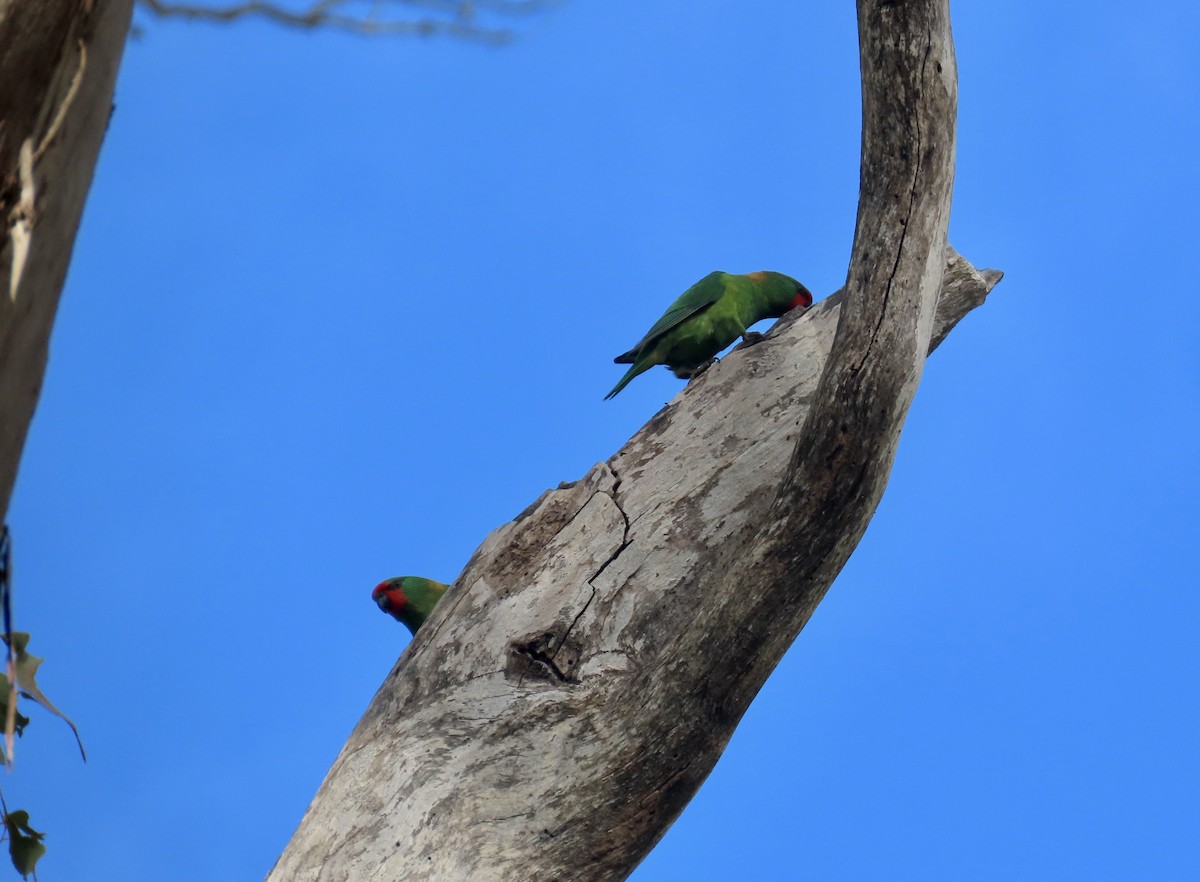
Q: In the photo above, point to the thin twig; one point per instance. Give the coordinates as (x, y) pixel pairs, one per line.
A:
(324, 13)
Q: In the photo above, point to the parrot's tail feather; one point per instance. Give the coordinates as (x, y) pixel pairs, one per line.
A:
(629, 375)
(617, 388)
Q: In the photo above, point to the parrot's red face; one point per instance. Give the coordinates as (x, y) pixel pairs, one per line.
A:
(803, 297)
(390, 598)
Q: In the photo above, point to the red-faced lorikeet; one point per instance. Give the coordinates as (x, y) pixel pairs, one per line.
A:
(408, 599)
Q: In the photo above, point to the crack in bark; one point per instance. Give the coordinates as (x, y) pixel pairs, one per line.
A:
(545, 649)
(474, 677)
(624, 543)
(912, 201)
(529, 509)
(581, 509)
(574, 622)
(535, 651)
(458, 598)
(625, 540)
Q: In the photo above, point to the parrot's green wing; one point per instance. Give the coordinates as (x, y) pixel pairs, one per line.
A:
(695, 299)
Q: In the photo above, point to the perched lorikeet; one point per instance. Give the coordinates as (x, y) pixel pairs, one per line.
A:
(408, 599)
(709, 316)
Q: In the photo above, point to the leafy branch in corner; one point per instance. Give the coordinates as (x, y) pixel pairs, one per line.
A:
(25, 845)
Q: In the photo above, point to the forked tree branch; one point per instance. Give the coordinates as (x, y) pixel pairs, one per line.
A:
(568, 697)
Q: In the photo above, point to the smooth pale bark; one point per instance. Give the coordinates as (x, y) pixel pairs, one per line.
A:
(571, 693)
(58, 104)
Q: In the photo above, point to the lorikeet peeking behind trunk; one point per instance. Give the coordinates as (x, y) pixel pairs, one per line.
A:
(709, 316)
(408, 599)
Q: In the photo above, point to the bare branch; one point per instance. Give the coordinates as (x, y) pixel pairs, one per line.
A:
(675, 575)
(672, 578)
(454, 18)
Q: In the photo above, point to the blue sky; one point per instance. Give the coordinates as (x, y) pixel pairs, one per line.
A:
(340, 307)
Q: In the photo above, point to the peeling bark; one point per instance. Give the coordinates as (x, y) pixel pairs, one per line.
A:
(573, 690)
(58, 65)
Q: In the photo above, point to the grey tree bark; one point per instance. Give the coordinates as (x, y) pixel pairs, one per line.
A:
(570, 694)
(58, 66)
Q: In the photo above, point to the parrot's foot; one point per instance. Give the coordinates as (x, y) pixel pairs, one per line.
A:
(697, 371)
(749, 339)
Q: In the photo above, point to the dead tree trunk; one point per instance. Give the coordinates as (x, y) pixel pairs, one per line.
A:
(58, 65)
(569, 696)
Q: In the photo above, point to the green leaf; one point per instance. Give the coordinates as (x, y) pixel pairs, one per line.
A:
(24, 843)
(26, 672)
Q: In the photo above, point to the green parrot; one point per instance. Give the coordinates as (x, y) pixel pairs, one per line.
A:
(709, 316)
(408, 599)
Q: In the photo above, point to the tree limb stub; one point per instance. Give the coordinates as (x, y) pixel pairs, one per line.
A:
(54, 109)
(570, 694)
